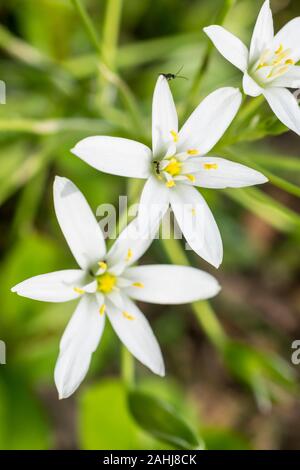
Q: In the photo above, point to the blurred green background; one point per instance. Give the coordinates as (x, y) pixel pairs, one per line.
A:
(230, 382)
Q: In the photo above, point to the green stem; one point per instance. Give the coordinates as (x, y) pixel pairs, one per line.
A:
(111, 32)
(194, 90)
(109, 47)
(210, 324)
(107, 56)
(203, 311)
(127, 367)
(127, 97)
(249, 107)
(236, 131)
(87, 23)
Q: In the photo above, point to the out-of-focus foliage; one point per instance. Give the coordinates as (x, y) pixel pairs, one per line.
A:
(227, 358)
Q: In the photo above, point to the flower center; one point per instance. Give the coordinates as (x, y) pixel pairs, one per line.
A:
(106, 282)
(173, 167)
(273, 64)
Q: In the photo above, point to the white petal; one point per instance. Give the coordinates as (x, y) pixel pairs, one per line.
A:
(52, 287)
(209, 121)
(230, 46)
(223, 173)
(153, 205)
(164, 117)
(197, 223)
(78, 223)
(285, 106)
(289, 37)
(168, 284)
(79, 341)
(263, 32)
(291, 79)
(132, 243)
(136, 334)
(115, 155)
(250, 86)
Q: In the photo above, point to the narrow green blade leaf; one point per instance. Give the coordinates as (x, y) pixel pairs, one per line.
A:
(160, 419)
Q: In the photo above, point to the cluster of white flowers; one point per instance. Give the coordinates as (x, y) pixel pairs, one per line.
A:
(178, 163)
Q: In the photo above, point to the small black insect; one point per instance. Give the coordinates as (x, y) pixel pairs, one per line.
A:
(157, 170)
(172, 76)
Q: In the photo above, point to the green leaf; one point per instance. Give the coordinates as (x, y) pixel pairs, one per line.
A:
(24, 424)
(274, 179)
(104, 420)
(267, 208)
(161, 420)
(224, 439)
(259, 370)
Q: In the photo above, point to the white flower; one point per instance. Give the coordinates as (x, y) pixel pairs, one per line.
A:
(177, 163)
(105, 283)
(269, 67)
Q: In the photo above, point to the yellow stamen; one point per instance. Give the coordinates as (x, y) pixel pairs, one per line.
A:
(277, 72)
(129, 255)
(138, 284)
(128, 316)
(191, 178)
(78, 290)
(102, 309)
(173, 168)
(170, 184)
(193, 152)
(282, 70)
(210, 166)
(106, 282)
(175, 136)
(260, 66)
(193, 211)
(276, 60)
(283, 55)
(102, 265)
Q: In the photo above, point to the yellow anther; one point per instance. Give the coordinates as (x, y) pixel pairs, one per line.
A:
(193, 152)
(173, 167)
(175, 135)
(193, 211)
(290, 62)
(191, 178)
(106, 282)
(279, 50)
(129, 255)
(79, 291)
(138, 284)
(170, 184)
(283, 55)
(102, 265)
(210, 166)
(102, 309)
(128, 316)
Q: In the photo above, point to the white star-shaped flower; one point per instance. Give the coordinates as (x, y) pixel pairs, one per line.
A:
(105, 284)
(177, 163)
(269, 66)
